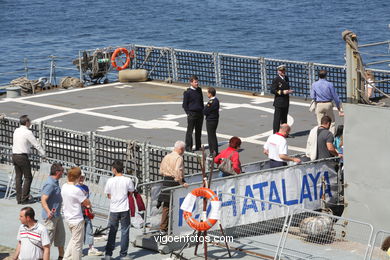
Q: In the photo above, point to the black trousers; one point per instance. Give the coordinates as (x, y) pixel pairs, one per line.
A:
(22, 169)
(280, 117)
(274, 164)
(211, 126)
(194, 120)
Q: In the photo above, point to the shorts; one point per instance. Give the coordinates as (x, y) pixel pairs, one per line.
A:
(55, 228)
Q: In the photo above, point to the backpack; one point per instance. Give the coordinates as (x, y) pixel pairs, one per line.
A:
(226, 166)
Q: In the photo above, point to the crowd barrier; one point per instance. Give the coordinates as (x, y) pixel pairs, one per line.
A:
(380, 245)
(316, 235)
(279, 230)
(94, 150)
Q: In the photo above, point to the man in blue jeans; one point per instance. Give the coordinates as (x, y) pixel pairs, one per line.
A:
(117, 189)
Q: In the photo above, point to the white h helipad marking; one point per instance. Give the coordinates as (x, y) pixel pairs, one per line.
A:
(166, 123)
(107, 128)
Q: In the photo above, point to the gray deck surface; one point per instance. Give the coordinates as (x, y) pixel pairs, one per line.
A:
(152, 112)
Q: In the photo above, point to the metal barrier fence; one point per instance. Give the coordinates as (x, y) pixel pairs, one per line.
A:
(260, 236)
(380, 245)
(315, 235)
(94, 150)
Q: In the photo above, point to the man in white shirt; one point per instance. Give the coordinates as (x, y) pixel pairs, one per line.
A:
(276, 148)
(23, 139)
(73, 198)
(33, 238)
(117, 189)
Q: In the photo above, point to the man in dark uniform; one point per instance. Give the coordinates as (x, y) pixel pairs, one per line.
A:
(281, 89)
(193, 106)
(211, 111)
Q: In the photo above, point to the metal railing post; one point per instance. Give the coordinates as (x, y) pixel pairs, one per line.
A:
(134, 63)
(217, 69)
(91, 148)
(41, 135)
(263, 74)
(26, 67)
(311, 77)
(52, 77)
(174, 65)
(80, 69)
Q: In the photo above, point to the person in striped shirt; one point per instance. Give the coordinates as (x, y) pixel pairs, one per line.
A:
(33, 238)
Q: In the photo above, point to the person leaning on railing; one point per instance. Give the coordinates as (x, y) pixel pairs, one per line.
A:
(276, 148)
(172, 168)
(23, 139)
(232, 153)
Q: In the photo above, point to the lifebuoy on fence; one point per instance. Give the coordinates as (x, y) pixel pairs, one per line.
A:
(188, 205)
(129, 56)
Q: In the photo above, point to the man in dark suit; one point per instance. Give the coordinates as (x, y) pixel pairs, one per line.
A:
(193, 106)
(211, 111)
(281, 89)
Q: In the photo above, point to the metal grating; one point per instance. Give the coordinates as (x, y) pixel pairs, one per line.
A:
(109, 149)
(240, 73)
(67, 145)
(190, 63)
(156, 60)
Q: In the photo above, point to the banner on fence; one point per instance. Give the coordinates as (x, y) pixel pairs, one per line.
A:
(299, 186)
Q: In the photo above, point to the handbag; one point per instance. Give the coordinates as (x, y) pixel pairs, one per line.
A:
(312, 106)
(226, 166)
(89, 213)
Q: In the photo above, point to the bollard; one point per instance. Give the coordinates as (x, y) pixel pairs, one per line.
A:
(13, 92)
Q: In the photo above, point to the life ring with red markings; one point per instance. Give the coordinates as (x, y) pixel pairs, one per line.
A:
(207, 223)
(129, 56)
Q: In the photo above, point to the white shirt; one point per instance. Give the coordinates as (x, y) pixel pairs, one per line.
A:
(118, 187)
(72, 197)
(23, 140)
(276, 145)
(32, 240)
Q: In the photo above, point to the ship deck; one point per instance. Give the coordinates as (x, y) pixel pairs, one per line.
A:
(151, 112)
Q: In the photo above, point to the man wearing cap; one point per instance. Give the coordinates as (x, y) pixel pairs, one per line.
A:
(281, 89)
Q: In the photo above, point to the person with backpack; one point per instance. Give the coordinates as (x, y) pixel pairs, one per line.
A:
(229, 158)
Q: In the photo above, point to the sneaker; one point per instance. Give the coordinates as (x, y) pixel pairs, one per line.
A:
(126, 258)
(94, 252)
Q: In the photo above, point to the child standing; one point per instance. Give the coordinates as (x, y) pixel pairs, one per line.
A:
(88, 234)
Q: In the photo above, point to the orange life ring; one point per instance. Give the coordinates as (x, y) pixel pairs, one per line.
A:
(129, 56)
(208, 223)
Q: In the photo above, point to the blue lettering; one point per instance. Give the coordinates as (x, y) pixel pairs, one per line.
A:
(260, 186)
(249, 193)
(273, 192)
(305, 186)
(315, 180)
(231, 202)
(287, 202)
